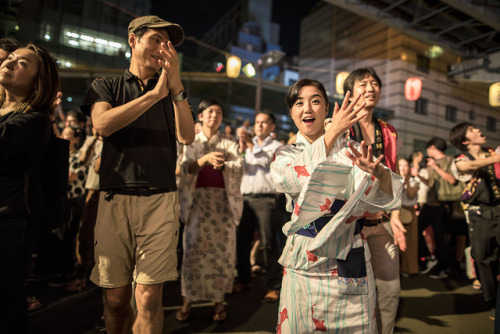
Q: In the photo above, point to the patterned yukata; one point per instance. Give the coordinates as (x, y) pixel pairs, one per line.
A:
(210, 215)
(328, 282)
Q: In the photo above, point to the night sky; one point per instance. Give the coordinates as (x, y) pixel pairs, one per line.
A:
(197, 16)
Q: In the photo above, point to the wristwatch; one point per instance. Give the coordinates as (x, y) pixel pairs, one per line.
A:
(180, 97)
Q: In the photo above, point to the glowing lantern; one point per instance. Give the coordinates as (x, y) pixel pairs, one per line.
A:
(413, 88)
(339, 82)
(249, 70)
(233, 67)
(495, 95)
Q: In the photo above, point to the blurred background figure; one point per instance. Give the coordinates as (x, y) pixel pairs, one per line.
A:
(211, 208)
(408, 216)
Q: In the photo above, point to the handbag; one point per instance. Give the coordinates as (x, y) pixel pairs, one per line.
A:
(405, 215)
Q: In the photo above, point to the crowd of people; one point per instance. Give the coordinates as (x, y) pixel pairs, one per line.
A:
(337, 212)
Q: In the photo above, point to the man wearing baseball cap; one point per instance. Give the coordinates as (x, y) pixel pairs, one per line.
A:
(140, 115)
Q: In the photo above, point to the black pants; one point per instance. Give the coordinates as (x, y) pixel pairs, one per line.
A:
(260, 212)
(485, 251)
(437, 217)
(13, 264)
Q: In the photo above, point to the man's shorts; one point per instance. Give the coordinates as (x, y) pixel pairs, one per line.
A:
(136, 232)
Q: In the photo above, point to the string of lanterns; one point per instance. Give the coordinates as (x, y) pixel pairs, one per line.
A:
(413, 85)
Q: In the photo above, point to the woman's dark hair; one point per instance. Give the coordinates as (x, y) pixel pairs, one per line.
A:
(45, 86)
(294, 91)
(207, 103)
(359, 74)
(458, 135)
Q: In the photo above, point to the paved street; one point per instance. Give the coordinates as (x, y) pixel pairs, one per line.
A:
(427, 306)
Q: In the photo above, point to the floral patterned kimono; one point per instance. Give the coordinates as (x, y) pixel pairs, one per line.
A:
(211, 210)
(328, 283)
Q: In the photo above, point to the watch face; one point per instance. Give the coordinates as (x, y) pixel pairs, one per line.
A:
(181, 97)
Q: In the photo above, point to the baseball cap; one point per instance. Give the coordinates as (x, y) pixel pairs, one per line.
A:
(174, 30)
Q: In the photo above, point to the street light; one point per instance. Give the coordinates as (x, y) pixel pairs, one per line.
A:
(267, 60)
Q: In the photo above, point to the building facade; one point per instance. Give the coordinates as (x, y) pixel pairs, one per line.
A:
(334, 40)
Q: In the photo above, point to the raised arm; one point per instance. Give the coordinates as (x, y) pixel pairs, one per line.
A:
(171, 78)
(343, 119)
(472, 165)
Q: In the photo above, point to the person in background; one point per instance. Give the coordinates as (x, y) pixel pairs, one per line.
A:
(259, 206)
(140, 115)
(409, 258)
(28, 86)
(7, 45)
(77, 119)
(89, 152)
(479, 167)
(328, 283)
(246, 126)
(211, 208)
(198, 127)
(434, 212)
(229, 131)
(76, 196)
(382, 233)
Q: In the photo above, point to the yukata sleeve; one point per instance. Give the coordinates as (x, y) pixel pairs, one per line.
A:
(292, 166)
(234, 161)
(363, 196)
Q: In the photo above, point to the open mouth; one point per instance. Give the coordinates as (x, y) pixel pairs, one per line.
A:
(308, 120)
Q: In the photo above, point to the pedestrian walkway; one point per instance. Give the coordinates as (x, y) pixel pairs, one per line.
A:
(428, 306)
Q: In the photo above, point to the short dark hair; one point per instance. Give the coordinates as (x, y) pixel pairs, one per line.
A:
(294, 90)
(80, 117)
(439, 143)
(207, 103)
(9, 44)
(139, 33)
(458, 135)
(269, 114)
(359, 74)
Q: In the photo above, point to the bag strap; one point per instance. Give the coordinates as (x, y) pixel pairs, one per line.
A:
(490, 172)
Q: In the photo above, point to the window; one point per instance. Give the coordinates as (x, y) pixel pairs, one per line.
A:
(423, 63)
(422, 106)
(451, 113)
(472, 115)
(491, 124)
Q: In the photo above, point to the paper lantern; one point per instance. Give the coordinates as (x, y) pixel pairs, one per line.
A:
(233, 67)
(413, 88)
(249, 70)
(339, 82)
(495, 95)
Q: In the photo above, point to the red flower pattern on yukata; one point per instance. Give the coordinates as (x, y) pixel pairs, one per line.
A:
(283, 317)
(297, 209)
(368, 190)
(301, 171)
(311, 257)
(320, 324)
(326, 206)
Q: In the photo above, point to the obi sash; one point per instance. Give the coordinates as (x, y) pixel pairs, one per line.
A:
(316, 226)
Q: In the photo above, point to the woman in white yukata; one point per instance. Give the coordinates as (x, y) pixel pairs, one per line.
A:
(211, 207)
(328, 283)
